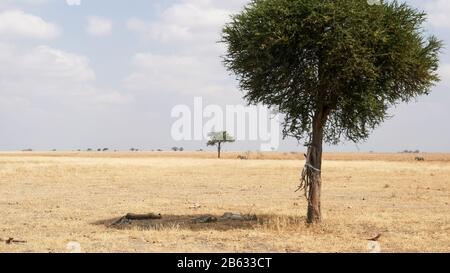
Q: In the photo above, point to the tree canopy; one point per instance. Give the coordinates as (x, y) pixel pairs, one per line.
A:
(218, 139)
(348, 59)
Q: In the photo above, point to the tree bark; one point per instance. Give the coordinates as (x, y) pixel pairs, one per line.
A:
(149, 216)
(315, 160)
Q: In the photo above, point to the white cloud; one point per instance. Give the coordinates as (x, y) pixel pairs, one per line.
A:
(73, 2)
(444, 74)
(112, 98)
(194, 21)
(159, 31)
(98, 26)
(42, 70)
(7, 3)
(17, 23)
(176, 74)
(191, 29)
(438, 11)
(47, 75)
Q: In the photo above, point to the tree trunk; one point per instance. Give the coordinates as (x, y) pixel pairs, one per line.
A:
(219, 147)
(315, 160)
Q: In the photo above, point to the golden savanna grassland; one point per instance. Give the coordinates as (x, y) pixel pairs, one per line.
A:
(51, 199)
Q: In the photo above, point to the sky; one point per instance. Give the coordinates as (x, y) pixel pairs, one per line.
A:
(78, 74)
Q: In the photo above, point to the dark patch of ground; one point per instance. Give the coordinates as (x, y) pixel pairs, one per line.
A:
(192, 222)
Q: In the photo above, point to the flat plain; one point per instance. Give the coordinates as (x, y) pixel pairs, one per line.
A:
(48, 199)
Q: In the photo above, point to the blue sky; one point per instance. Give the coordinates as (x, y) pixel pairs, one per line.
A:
(106, 73)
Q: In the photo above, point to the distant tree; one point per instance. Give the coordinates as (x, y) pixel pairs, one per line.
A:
(218, 139)
(99, 150)
(132, 149)
(333, 68)
(105, 149)
(89, 150)
(175, 149)
(181, 149)
(159, 150)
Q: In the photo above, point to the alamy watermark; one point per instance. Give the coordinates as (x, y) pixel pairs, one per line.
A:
(244, 123)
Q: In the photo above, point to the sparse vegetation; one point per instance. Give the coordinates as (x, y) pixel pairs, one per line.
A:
(51, 200)
(411, 152)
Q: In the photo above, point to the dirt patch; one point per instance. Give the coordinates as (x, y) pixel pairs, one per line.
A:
(225, 222)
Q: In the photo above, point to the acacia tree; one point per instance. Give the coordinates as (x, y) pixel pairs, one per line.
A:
(218, 139)
(332, 67)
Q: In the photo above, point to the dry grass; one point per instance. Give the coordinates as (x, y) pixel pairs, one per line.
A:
(50, 199)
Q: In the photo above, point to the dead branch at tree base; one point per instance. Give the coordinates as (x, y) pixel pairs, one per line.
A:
(12, 241)
(149, 216)
(137, 217)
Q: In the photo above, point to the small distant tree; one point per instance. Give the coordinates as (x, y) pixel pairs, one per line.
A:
(99, 150)
(181, 149)
(175, 149)
(218, 139)
(334, 68)
(105, 149)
